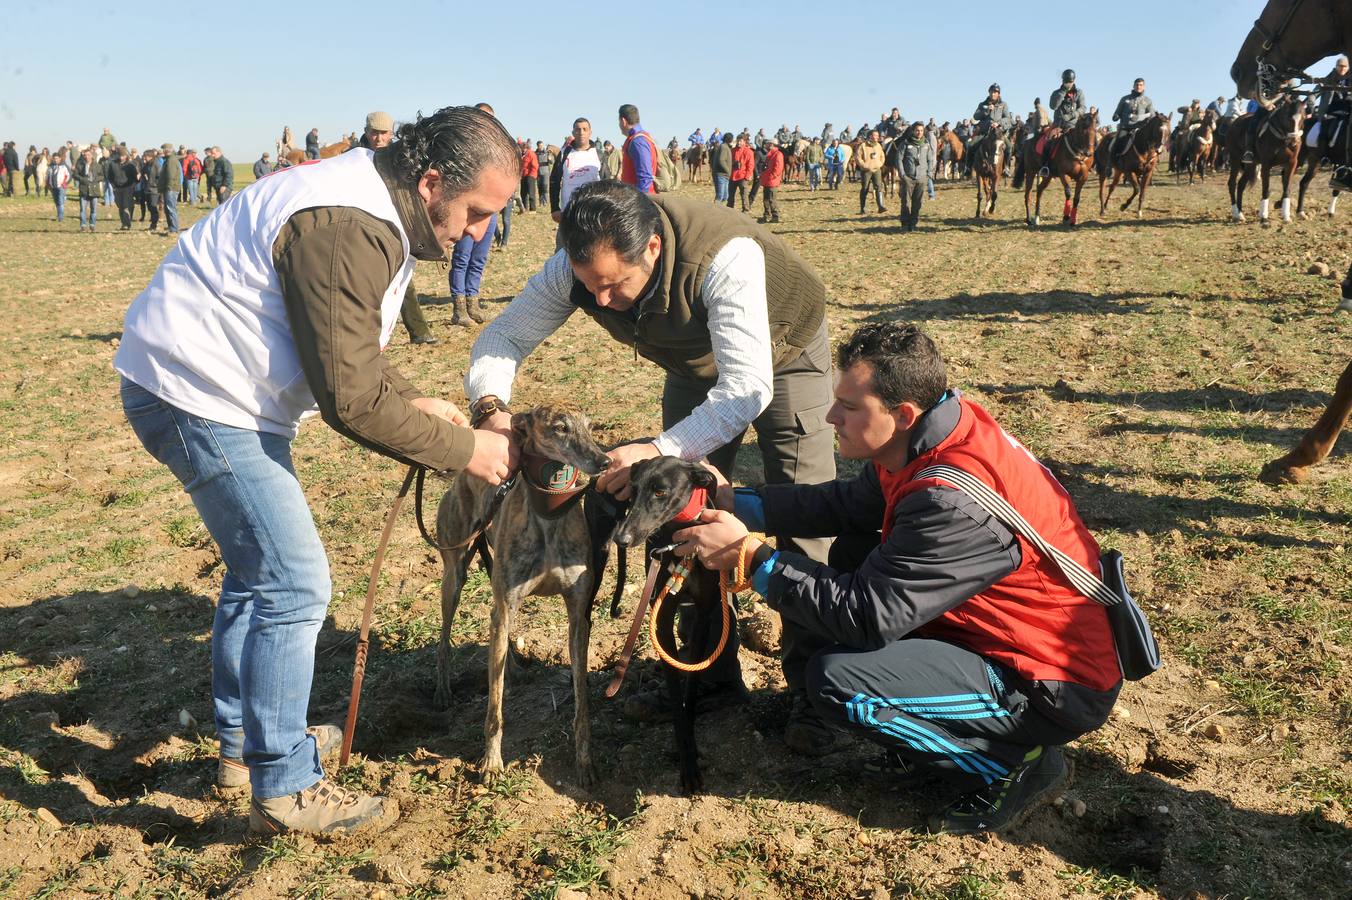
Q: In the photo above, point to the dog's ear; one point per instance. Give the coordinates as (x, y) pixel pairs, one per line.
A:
(521, 426)
(637, 468)
(702, 477)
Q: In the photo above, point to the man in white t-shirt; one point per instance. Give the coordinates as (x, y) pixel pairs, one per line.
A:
(581, 162)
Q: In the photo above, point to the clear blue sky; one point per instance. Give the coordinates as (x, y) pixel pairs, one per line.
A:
(234, 73)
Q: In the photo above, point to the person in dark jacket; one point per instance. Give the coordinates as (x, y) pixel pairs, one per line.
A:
(1133, 109)
(90, 174)
(122, 176)
(220, 175)
(170, 182)
(11, 157)
(720, 167)
(262, 167)
(915, 168)
(933, 629)
(312, 144)
(150, 185)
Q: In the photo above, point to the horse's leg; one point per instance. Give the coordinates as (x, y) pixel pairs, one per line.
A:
(1079, 186)
(1265, 197)
(980, 200)
(1333, 203)
(1318, 441)
(1066, 208)
(1288, 171)
(1131, 180)
(1145, 183)
(1310, 171)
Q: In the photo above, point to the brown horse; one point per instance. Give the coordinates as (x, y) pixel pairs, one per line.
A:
(296, 157)
(988, 165)
(1291, 34)
(1313, 157)
(694, 161)
(1072, 160)
(1202, 147)
(1137, 161)
(956, 152)
(1277, 144)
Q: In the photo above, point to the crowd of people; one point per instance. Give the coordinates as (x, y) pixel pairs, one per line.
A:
(132, 181)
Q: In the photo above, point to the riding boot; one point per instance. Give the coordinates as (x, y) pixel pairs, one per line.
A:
(475, 310)
(459, 311)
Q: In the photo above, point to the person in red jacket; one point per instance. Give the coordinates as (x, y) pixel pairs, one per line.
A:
(771, 178)
(530, 178)
(933, 629)
(743, 169)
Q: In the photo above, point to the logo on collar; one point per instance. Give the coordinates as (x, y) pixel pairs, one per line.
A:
(553, 475)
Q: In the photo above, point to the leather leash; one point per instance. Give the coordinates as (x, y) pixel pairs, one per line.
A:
(363, 639)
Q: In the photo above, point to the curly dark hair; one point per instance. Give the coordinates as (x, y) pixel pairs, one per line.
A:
(459, 142)
(907, 366)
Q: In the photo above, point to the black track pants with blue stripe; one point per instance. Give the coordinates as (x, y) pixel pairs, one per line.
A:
(939, 705)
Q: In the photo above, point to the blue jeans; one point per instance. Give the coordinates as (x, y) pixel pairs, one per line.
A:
(89, 212)
(192, 191)
(930, 188)
(506, 222)
(834, 173)
(468, 261)
(59, 198)
(814, 176)
(107, 193)
(274, 593)
(721, 188)
(171, 211)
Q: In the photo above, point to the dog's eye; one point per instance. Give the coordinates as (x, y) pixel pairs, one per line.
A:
(660, 492)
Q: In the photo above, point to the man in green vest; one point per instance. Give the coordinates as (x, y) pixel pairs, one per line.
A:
(732, 314)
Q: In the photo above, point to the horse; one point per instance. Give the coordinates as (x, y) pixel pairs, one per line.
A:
(988, 165)
(1289, 34)
(695, 155)
(1312, 157)
(1072, 158)
(950, 141)
(793, 159)
(1137, 162)
(1201, 148)
(1277, 144)
(328, 151)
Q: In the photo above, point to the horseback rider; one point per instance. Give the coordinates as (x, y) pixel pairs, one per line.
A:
(1335, 109)
(991, 111)
(1067, 105)
(696, 138)
(784, 137)
(1132, 110)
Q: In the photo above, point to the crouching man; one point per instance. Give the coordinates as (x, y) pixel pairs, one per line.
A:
(933, 629)
(275, 306)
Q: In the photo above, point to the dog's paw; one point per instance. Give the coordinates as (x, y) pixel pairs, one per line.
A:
(491, 767)
(587, 776)
(441, 698)
(692, 781)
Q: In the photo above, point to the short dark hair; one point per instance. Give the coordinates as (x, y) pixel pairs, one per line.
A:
(629, 112)
(727, 137)
(579, 120)
(460, 142)
(608, 215)
(907, 366)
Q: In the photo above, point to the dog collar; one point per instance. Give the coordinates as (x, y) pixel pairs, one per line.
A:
(549, 475)
(699, 498)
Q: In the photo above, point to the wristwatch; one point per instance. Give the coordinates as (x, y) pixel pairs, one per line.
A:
(484, 407)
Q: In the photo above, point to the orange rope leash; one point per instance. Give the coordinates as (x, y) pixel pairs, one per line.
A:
(729, 584)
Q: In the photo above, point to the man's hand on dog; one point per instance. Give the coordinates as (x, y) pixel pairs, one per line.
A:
(715, 541)
(494, 457)
(442, 409)
(615, 479)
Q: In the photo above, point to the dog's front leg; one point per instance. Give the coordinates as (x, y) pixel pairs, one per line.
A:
(579, 637)
(454, 566)
(499, 625)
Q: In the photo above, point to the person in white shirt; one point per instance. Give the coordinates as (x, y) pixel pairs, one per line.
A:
(725, 306)
(581, 162)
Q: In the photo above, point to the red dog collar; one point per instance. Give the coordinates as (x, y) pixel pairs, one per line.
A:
(699, 499)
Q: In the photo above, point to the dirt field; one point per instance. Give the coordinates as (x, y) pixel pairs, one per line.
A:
(1154, 365)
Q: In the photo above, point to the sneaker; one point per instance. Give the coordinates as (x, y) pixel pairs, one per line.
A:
(1002, 805)
(653, 704)
(806, 732)
(323, 807)
(232, 775)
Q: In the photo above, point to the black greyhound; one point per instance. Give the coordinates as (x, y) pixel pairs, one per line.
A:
(668, 494)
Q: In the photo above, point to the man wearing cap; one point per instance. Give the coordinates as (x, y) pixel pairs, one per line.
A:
(991, 111)
(169, 179)
(262, 168)
(378, 131)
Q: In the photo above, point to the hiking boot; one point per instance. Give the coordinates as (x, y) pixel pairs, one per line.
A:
(232, 775)
(1002, 805)
(475, 310)
(422, 339)
(806, 732)
(653, 704)
(323, 807)
(459, 311)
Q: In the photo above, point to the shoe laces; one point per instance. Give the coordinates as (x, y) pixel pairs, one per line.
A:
(983, 800)
(326, 793)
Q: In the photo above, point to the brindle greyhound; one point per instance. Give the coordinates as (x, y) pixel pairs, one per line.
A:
(668, 494)
(541, 546)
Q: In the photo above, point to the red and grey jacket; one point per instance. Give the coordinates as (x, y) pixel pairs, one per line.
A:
(945, 568)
